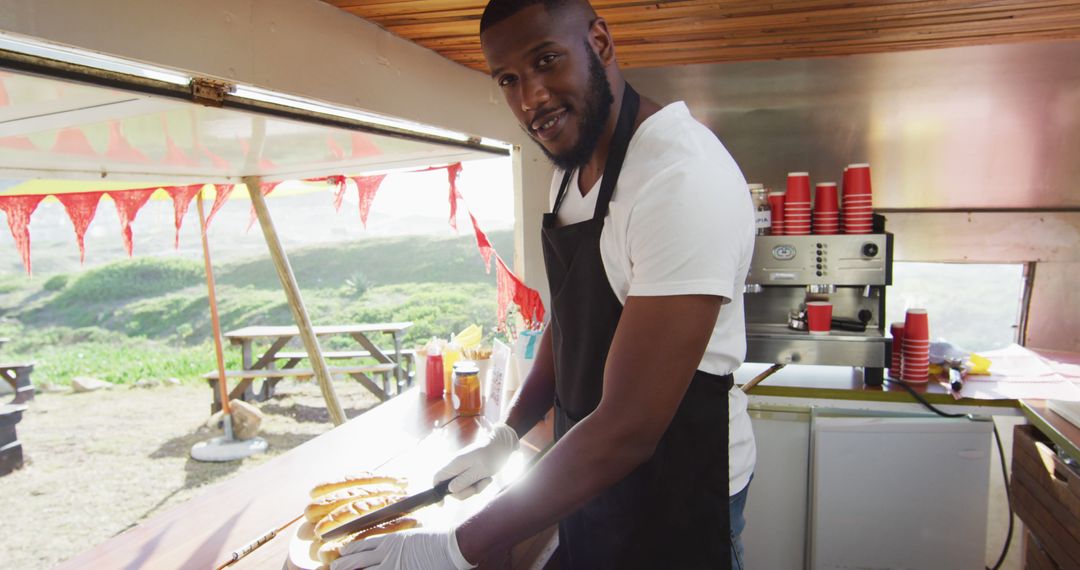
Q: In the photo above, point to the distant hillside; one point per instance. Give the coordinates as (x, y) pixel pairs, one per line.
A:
(383, 261)
(149, 316)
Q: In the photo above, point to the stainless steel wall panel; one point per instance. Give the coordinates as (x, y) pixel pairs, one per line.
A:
(987, 126)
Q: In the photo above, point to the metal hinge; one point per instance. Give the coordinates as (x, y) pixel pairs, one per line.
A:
(210, 92)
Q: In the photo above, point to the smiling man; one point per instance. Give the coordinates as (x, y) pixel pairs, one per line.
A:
(646, 248)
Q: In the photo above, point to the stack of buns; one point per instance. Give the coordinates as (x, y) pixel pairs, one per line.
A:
(335, 503)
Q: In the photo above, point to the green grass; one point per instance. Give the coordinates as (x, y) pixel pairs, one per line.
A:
(149, 317)
(63, 353)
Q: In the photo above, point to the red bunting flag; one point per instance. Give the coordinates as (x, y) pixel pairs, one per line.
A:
(120, 148)
(73, 141)
(17, 143)
(181, 197)
(339, 193)
(452, 172)
(263, 162)
(18, 210)
(366, 187)
(336, 153)
(482, 243)
(173, 155)
(510, 288)
(266, 188)
(128, 203)
(362, 146)
(218, 162)
(80, 207)
(221, 193)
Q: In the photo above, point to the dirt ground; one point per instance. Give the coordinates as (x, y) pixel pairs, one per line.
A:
(98, 463)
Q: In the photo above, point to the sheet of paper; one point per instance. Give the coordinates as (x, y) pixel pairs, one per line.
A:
(1016, 372)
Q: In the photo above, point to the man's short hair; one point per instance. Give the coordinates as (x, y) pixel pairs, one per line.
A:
(499, 10)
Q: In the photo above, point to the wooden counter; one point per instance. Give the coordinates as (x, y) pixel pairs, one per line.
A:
(846, 383)
(202, 532)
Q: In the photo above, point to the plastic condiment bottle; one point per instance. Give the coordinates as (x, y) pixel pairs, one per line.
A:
(451, 354)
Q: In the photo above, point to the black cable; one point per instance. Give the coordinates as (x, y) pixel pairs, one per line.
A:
(923, 401)
(1001, 456)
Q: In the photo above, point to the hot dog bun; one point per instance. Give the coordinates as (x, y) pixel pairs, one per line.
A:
(356, 481)
(325, 504)
(331, 550)
(350, 512)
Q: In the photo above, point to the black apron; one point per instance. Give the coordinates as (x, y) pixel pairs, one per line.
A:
(672, 511)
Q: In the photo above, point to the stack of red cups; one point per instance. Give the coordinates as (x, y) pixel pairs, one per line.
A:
(797, 204)
(776, 204)
(897, 330)
(915, 364)
(858, 200)
(826, 209)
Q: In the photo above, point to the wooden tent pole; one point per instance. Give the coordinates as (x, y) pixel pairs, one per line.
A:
(215, 322)
(296, 303)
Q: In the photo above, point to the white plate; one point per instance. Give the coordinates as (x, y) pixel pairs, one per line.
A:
(303, 552)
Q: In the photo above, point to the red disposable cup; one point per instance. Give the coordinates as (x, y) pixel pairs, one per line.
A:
(777, 229)
(798, 187)
(825, 197)
(776, 204)
(917, 325)
(433, 377)
(819, 317)
(858, 180)
(897, 331)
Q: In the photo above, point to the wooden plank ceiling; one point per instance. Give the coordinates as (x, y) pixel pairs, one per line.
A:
(653, 34)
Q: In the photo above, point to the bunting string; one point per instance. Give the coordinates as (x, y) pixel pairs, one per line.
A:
(81, 208)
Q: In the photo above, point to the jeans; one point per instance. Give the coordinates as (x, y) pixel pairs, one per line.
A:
(736, 505)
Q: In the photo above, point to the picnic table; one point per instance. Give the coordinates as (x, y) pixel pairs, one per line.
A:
(408, 435)
(17, 374)
(274, 363)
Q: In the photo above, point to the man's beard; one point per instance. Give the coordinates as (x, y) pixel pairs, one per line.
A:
(594, 116)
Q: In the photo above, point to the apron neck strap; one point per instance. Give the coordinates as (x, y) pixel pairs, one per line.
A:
(620, 141)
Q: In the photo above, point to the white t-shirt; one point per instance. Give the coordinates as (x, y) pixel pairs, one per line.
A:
(681, 223)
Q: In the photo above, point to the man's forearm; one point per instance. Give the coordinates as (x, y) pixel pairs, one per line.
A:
(590, 458)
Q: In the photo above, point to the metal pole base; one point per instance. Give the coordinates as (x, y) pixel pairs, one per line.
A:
(222, 448)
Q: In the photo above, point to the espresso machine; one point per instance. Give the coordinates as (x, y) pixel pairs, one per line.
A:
(850, 271)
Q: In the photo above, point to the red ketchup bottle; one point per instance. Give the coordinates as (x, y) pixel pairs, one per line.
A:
(433, 381)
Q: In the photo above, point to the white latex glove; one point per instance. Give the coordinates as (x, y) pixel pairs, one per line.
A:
(471, 470)
(410, 550)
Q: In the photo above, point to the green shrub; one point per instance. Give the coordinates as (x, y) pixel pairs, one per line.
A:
(56, 282)
(357, 284)
(132, 279)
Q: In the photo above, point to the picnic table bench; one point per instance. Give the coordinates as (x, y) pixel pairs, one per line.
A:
(18, 375)
(266, 366)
